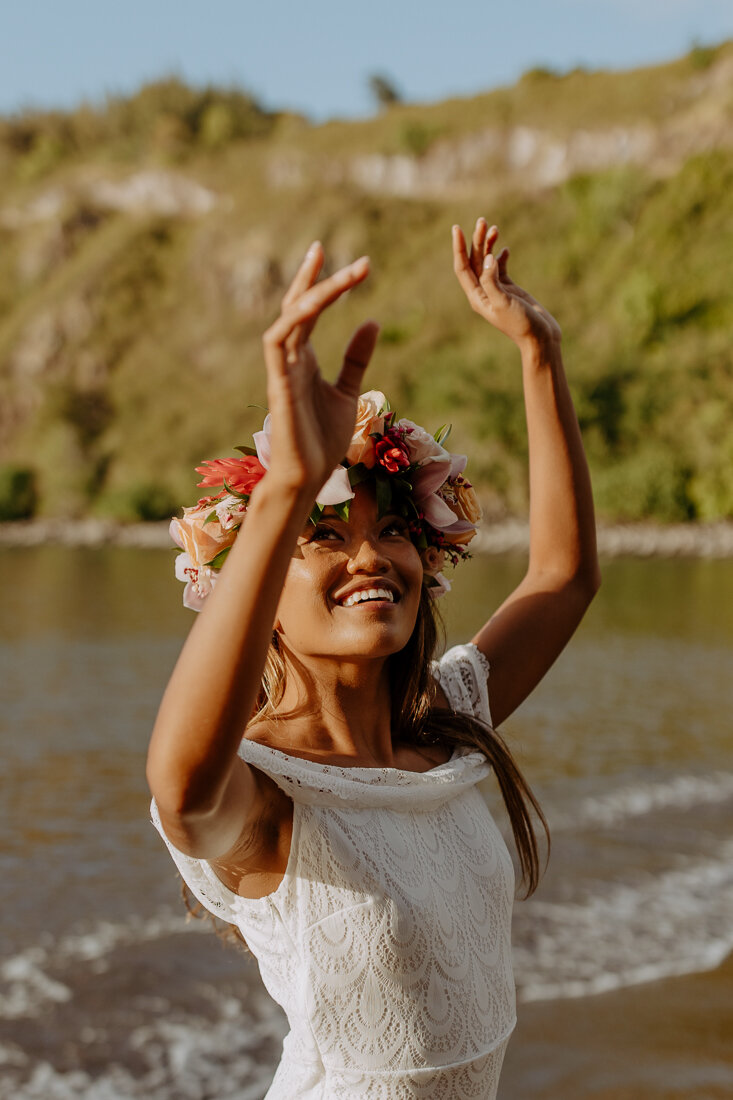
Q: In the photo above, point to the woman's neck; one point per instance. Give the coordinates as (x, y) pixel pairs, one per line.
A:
(338, 708)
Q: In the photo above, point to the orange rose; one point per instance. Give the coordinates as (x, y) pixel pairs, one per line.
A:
(460, 496)
(202, 543)
(368, 420)
(467, 501)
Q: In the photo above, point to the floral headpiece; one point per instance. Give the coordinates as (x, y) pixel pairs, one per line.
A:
(414, 476)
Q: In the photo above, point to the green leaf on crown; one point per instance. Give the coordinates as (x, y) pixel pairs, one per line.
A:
(236, 493)
(247, 451)
(342, 510)
(358, 473)
(384, 495)
(210, 518)
(316, 513)
(218, 560)
(442, 434)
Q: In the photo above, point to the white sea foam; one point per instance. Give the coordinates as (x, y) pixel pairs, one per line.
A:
(181, 1059)
(681, 793)
(25, 986)
(659, 926)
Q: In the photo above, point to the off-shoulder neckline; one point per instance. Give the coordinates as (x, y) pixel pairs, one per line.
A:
(351, 769)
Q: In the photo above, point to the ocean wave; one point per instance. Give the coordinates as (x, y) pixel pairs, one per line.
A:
(661, 925)
(681, 792)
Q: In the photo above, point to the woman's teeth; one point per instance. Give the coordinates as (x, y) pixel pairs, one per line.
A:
(368, 594)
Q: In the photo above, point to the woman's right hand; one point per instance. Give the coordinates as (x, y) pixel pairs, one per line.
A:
(312, 420)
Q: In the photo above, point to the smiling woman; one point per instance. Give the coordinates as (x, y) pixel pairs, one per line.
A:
(314, 769)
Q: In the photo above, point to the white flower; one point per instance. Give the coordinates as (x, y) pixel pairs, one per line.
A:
(230, 512)
(199, 579)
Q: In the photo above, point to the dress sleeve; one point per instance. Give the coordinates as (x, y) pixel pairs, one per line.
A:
(463, 674)
(199, 877)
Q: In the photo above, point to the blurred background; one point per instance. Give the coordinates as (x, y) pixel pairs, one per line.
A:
(162, 170)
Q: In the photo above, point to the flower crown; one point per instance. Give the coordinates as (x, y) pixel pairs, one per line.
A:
(414, 476)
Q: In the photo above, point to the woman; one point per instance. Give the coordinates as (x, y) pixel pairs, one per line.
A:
(343, 834)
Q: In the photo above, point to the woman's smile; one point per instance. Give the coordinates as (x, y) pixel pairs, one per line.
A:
(365, 566)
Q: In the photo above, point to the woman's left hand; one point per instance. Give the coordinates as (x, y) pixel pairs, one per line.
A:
(494, 296)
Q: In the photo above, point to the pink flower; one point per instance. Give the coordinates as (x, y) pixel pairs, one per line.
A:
(439, 586)
(337, 487)
(421, 446)
(427, 482)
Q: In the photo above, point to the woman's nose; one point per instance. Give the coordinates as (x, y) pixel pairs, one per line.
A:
(368, 557)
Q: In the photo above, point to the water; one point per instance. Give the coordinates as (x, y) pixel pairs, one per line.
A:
(108, 992)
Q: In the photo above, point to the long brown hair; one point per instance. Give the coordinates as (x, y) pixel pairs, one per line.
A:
(418, 720)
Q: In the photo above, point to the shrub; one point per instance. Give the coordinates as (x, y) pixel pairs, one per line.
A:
(650, 485)
(416, 138)
(18, 492)
(150, 501)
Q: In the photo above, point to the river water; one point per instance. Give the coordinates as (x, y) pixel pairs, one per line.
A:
(107, 992)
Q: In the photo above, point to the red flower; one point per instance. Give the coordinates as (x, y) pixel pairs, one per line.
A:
(391, 454)
(240, 474)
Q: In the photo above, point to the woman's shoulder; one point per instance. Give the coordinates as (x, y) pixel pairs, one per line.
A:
(462, 675)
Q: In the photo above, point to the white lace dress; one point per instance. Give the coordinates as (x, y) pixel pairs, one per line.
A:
(387, 943)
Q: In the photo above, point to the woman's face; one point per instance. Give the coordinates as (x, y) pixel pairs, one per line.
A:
(326, 608)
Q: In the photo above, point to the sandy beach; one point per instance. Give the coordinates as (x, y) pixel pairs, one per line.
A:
(665, 1040)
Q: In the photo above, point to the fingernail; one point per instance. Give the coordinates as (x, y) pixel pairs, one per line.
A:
(313, 248)
(489, 261)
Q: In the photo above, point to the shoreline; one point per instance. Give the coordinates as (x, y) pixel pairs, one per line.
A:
(702, 540)
(664, 1040)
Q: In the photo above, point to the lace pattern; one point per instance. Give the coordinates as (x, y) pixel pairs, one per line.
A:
(388, 940)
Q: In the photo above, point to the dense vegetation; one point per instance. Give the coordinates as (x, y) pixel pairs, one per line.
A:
(129, 327)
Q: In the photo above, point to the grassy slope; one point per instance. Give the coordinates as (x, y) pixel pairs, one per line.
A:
(129, 344)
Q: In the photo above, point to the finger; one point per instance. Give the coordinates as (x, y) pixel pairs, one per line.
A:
(491, 239)
(476, 258)
(306, 275)
(307, 308)
(490, 281)
(464, 272)
(501, 261)
(356, 358)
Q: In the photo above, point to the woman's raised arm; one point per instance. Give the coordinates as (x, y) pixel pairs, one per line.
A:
(206, 795)
(531, 628)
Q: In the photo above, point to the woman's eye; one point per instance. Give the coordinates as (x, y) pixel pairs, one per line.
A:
(398, 527)
(322, 533)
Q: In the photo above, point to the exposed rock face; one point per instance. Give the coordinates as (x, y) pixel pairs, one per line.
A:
(528, 156)
(169, 194)
(154, 192)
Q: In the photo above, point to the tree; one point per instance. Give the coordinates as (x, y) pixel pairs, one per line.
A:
(384, 90)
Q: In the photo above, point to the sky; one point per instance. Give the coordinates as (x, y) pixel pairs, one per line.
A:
(316, 57)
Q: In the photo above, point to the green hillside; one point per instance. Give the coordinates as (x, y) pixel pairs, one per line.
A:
(145, 243)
